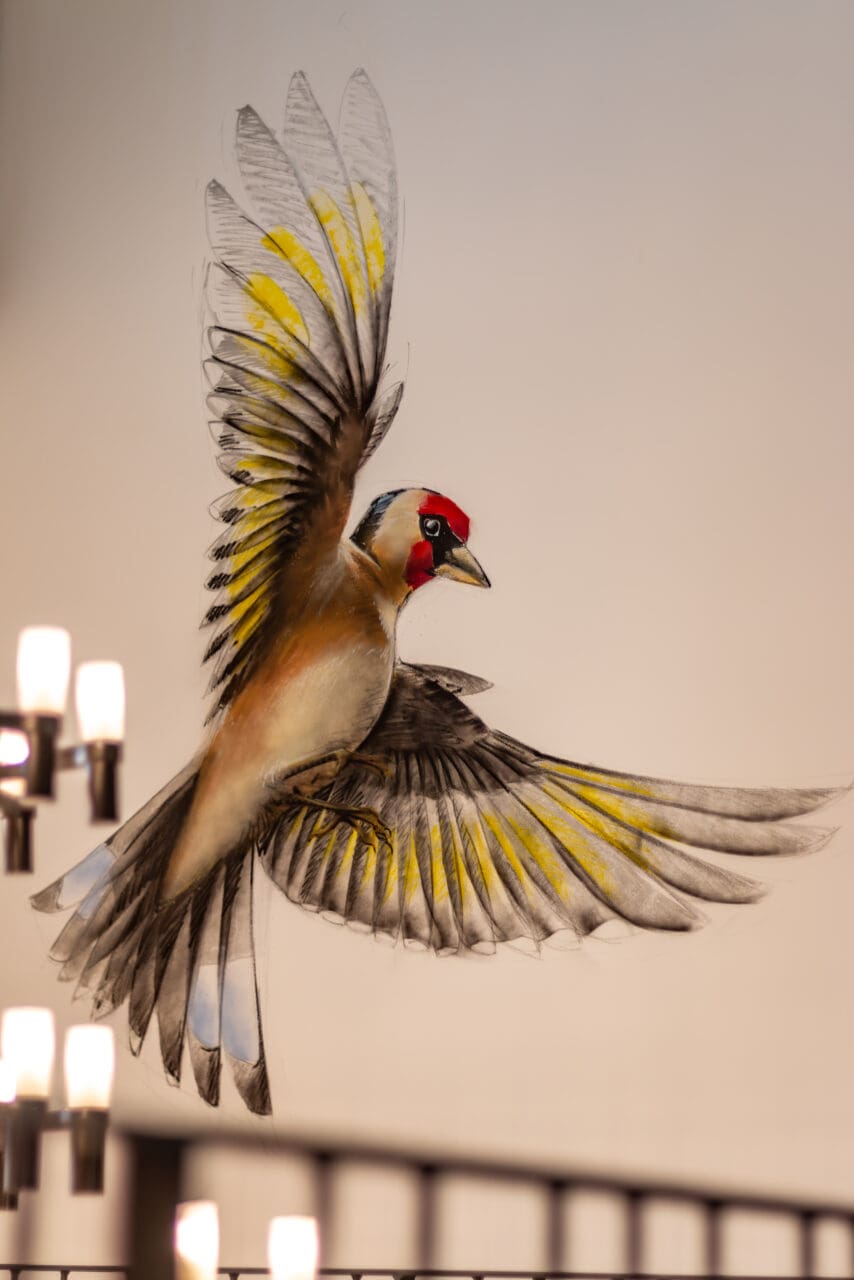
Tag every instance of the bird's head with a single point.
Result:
(415, 535)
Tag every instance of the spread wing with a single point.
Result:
(489, 840)
(300, 290)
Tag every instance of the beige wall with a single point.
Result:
(624, 312)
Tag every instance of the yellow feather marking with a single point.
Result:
(629, 842)
(575, 843)
(340, 237)
(267, 438)
(484, 862)
(391, 874)
(284, 243)
(543, 855)
(257, 504)
(241, 633)
(497, 829)
(372, 236)
(593, 778)
(261, 467)
(273, 357)
(274, 302)
(411, 877)
(347, 855)
(437, 867)
(238, 559)
(615, 805)
(460, 870)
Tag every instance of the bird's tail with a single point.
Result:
(190, 958)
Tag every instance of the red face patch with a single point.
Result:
(419, 566)
(435, 505)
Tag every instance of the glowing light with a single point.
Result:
(197, 1240)
(7, 1082)
(44, 665)
(90, 1061)
(28, 1041)
(292, 1248)
(100, 697)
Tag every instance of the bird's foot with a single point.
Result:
(365, 822)
(381, 766)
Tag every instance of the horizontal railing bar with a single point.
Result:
(414, 1273)
(502, 1170)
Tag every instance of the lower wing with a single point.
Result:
(481, 839)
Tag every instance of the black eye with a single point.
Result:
(432, 527)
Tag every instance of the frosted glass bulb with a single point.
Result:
(197, 1240)
(292, 1248)
(44, 665)
(7, 1082)
(100, 689)
(14, 749)
(27, 1045)
(90, 1060)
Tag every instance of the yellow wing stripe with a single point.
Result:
(594, 778)
(286, 245)
(411, 876)
(576, 844)
(271, 354)
(340, 237)
(272, 302)
(372, 236)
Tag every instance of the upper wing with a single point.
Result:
(300, 291)
(490, 840)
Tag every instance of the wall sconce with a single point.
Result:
(90, 1063)
(27, 1041)
(29, 751)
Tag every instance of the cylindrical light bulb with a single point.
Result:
(292, 1248)
(44, 665)
(14, 749)
(27, 1045)
(197, 1240)
(90, 1060)
(7, 1082)
(100, 689)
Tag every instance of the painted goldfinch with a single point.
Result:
(363, 785)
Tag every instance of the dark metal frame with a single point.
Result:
(100, 760)
(22, 1124)
(156, 1189)
(66, 1272)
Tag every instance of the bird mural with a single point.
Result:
(363, 785)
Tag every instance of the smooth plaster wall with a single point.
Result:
(624, 312)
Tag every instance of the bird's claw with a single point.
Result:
(365, 822)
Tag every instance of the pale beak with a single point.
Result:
(460, 565)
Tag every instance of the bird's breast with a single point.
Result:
(319, 692)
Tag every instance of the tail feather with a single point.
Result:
(125, 943)
(203, 1005)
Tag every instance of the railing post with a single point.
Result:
(556, 1236)
(155, 1192)
(712, 1242)
(806, 1242)
(324, 1207)
(634, 1233)
(426, 1224)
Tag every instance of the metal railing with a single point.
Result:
(156, 1188)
